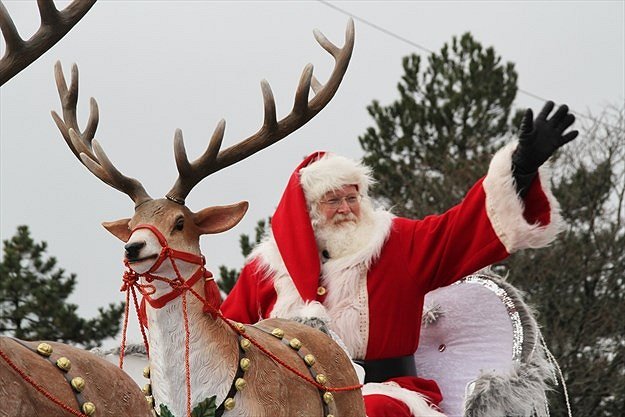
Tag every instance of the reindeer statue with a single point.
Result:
(202, 364)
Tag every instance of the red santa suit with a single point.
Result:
(373, 298)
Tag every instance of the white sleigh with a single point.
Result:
(482, 345)
(479, 341)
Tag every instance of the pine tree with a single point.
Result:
(449, 119)
(33, 294)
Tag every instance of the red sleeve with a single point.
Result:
(447, 247)
(242, 303)
(537, 210)
(253, 295)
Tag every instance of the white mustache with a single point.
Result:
(343, 217)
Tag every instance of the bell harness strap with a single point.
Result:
(78, 395)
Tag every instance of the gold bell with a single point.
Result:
(88, 408)
(63, 363)
(240, 384)
(150, 400)
(310, 359)
(44, 349)
(229, 404)
(240, 327)
(147, 390)
(245, 344)
(330, 415)
(146, 372)
(245, 364)
(295, 344)
(78, 384)
(277, 332)
(328, 397)
(321, 378)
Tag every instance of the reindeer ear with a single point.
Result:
(219, 218)
(119, 228)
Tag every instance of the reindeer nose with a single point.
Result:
(133, 249)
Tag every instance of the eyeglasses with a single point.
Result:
(334, 203)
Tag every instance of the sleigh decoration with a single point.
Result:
(482, 345)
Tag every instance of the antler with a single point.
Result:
(83, 145)
(271, 131)
(54, 25)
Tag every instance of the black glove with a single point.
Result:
(538, 140)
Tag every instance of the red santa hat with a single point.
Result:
(319, 173)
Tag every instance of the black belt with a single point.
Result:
(380, 370)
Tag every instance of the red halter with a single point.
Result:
(178, 285)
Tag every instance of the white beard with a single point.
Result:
(344, 234)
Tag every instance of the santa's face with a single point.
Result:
(341, 206)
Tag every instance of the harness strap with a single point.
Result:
(233, 388)
(80, 399)
(302, 354)
(166, 251)
(161, 301)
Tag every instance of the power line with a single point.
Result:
(428, 50)
(376, 27)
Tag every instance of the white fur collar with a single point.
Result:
(271, 261)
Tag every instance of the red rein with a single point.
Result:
(179, 287)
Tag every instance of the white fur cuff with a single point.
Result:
(313, 309)
(505, 208)
(417, 404)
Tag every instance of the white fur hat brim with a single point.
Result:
(331, 172)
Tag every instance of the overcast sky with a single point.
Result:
(155, 66)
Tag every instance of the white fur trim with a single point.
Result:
(381, 222)
(345, 279)
(416, 402)
(346, 305)
(505, 208)
(314, 309)
(332, 172)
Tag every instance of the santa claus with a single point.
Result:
(363, 271)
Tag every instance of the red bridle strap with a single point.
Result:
(179, 284)
(177, 287)
(166, 251)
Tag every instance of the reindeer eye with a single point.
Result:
(179, 223)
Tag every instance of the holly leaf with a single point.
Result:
(165, 411)
(206, 408)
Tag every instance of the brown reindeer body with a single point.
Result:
(266, 377)
(110, 389)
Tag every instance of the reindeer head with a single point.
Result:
(179, 226)
(168, 218)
